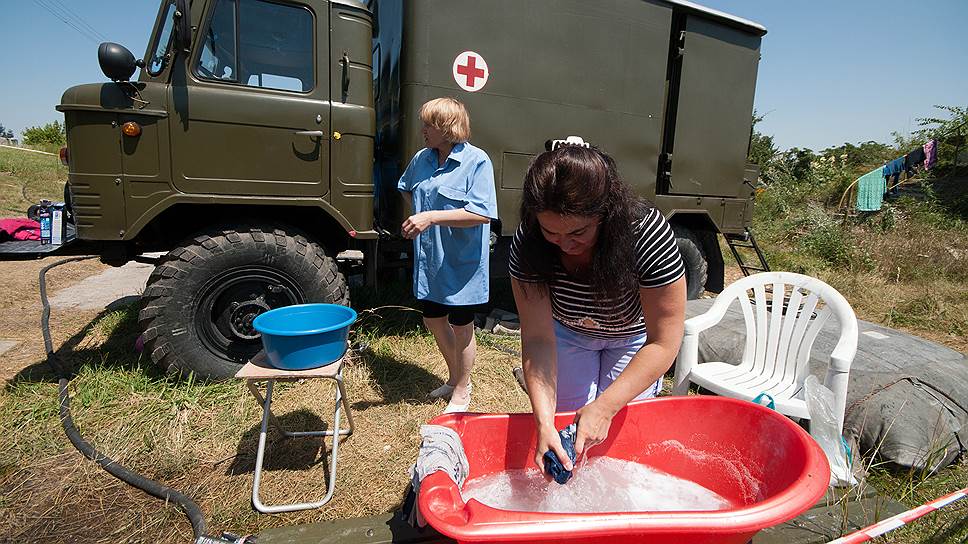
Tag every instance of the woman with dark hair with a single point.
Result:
(593, 267)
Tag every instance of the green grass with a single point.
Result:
(26, 178)
(905, 267)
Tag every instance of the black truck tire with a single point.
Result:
(694, 258)
(200, 300)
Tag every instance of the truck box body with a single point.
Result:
(609, 72)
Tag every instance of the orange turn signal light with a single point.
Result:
(131, 129)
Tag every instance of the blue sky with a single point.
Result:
(831, 71)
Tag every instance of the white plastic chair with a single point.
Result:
(780, 332)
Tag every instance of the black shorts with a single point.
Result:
(456, 315)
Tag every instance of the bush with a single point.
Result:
(819, 235)
(49, 134)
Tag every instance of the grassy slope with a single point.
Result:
(26, 178)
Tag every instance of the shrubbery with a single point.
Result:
(49, 134)
(799, 219)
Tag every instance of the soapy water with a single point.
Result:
(601, 484)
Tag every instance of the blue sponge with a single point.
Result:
(552, 465)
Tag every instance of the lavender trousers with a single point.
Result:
(588, 365)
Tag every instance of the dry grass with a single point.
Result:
(201, 438)
(27, 177)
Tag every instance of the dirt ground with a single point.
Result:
(20, 309)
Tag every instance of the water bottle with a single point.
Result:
(44, 217)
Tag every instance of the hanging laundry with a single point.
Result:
(870, 191)
(914, 159)
(894, 167)
(930, 153)
(892, 171)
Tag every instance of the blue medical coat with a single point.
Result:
(451, 263)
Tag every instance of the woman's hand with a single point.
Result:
(548, 439)
(594, 420)
(417, 223)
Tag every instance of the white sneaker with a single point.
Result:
(444, 391)
(454, 407)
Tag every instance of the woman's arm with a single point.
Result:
(539, 361)
(417, 223)
(665, 313)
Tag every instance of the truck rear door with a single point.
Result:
(715, 106)
(251, 110)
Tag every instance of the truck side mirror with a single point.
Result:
(116, 61)
(183, 26)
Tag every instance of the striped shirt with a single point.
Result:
(576, 304)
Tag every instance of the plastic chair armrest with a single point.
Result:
(701, 322)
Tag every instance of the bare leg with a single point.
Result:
(465, 351)
(447, 344)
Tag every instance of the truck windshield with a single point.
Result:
(160, 47)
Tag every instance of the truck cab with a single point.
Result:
(262, 139)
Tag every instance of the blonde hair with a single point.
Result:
(449, 116)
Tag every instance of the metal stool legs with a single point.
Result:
(336, 433)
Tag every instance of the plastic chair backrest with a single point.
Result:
(784, 312)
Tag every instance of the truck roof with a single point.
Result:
(352, 3)
(732, 20)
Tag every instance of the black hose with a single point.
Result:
(199, 527)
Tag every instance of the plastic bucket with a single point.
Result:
(305, 335)
(768, 468)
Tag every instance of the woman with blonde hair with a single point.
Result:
(451, 186)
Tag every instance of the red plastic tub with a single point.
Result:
(765, 465)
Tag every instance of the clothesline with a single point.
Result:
(874, 185)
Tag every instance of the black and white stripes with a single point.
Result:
(575, 303)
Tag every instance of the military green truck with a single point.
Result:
(260, 146)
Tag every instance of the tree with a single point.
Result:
(5, 132)
(762, 148)
(49, 134)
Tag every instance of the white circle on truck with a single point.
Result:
(470, 71)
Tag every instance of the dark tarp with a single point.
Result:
(907, 397)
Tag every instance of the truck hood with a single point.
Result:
(134, 97)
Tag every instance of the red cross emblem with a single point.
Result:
(470, 71)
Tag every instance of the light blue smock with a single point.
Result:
(451, 263)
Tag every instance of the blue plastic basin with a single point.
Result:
(305, 335)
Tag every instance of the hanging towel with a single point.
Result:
(870, 191)
(440, 449)
(930, 153)
(914, 159)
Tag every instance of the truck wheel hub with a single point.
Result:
(242, 316)
(231, 300)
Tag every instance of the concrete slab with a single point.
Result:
(6, 345)
(123, 284)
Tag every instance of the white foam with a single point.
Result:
(602, 484)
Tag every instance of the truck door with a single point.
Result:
(250, 109)
(715, 105)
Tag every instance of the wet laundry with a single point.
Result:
(440, 449)
(552, 465)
